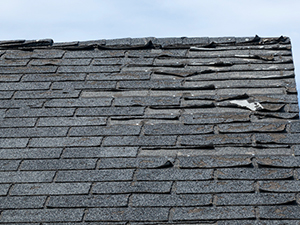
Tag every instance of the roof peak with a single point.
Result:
(142, 43)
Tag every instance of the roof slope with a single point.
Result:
(149, 131)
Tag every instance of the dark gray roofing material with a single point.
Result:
(149, 131)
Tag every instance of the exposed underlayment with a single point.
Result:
(149, 131)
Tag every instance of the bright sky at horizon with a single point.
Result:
(70, 20)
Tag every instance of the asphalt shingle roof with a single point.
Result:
(149, 131)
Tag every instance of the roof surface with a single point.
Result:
(149, 131)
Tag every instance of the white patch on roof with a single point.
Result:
(244, 103)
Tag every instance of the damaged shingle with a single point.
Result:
(139, 131)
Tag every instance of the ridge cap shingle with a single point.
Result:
(141, 43)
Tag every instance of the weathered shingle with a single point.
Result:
(149, 131)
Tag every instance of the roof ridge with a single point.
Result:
(142, 43)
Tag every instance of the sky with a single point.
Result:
(82, 20)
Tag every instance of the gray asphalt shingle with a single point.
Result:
(149, 131)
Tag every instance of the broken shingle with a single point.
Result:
(149, 131)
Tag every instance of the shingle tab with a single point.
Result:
(216, 139)
(33, 202)
(110, 111)
(95, 152)
(71, 121)
(41, 215)
(167, 129)
(213, 161)
(31, 112)
(252, 173)
(24, 86)
(125, 214)
(105, 130)
(59, 164)
(46, 94)
(95, 175)
(80, 85)
(17, 122)
(30, 153)
(139, 141)
(9, 165)
(88, 201)
(279, 212)
(142, 162)
(13, 142)
(174, 174)
(65, 141)
(160, 200)
(145, 101)
(280, 186)
(54, 77)
(210, 213)
(33, 132)
(79, 102)
(278, 138)
(51, 189)
(26, 177)
(4, 189)
(132, 187)
(226, 186)
(277, 161)
(253, 127)
(254, 199)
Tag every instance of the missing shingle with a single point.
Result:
(253, 106)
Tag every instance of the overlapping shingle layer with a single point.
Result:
(149, 131)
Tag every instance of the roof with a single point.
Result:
(149, 131)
